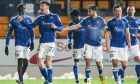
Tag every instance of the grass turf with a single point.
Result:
(69, 81)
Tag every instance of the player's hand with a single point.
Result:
(20, 18)
(53, 26)
(32, 46)
(137, 35)
(129, 46)
(107, 49)
(70, 45)
(6, 50)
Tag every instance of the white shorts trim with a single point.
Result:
(94, 52)
(22, 52)
(119, 53)
(134, 51)
(46, 49)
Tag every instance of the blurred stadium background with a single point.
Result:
(62, 69)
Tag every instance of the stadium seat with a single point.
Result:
(65, 20)
(107, 18)
(103, 4)
(4, 29)
(75, 4)
(87, 3)
(62, 3)
(37, 34)
(136, 3)
(4, 19)
(62, 34)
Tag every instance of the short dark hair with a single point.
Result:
(116, 6)
(45, 2)
(20, 9)
(93, 8)
(75, 12)
(131, 5)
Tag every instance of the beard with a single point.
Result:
(130, 14)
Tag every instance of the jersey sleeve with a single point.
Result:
(108, 26)
(31, 30)
(8, 37)
(139, 26)
(59, 26)
(127, 23)
(36, 22)
(104, 25)
(69, 36)
(82, 23)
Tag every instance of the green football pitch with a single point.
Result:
(69, 81)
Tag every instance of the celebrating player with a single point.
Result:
(48, 24)
(94, 25)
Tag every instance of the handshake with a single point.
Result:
(7, 50)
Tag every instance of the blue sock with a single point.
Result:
(50, 74)
(87, 71)
(43, 71)
(115, 73)
(100, 70)
(121, 73)
(21, 78)
(76, 71)
(137, 69)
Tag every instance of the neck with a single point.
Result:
(79, 18)
(94, 16)
(130, 16)
(21, 13)
(118, 18)
(47, 12)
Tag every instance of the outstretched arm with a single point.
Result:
(74, 27)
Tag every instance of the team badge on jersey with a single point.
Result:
(115, 29)
(28, 22)
(19, 26)
(51, 17)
